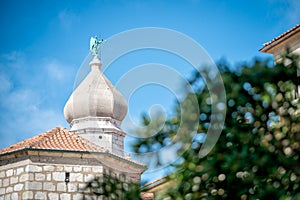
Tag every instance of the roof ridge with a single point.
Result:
(76, 142)
(61, 130)
(46, 136)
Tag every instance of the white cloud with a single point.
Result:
(5, 85)
(23, 100)
(67, 19)
(24, 124)
(56, 70)
(12, 56)
(12, 62)
(24, 115)
(29, 96)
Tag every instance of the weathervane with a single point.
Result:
(95, 45)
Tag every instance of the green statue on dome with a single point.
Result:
(95, 45)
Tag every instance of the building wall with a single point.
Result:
(42, 174)
(27, 180)
(118, 144)
(103, 131)
(109, 140)
(293, 43)
(278, 48)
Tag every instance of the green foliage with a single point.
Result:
(257, 155)
(155, 134)
(109, 187)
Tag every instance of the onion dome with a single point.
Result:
(95, 97)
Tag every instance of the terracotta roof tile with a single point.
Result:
(58, 138)
(283, 35)
(61, 139)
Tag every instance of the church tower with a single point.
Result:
(95, 109)
(58, 164)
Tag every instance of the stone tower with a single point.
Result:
(96, 109)
(59, 163)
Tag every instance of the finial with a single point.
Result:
(94, 45)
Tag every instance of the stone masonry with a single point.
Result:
(57, 165)
(28, 180)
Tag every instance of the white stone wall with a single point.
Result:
(118, 144)
(101, 139)
(110, 140)
(103, 131)
(44, 181)
(32, 179)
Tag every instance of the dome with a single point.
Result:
(95, 97)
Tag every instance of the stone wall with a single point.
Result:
(41, 174)
(118, 144)
(26, 180)
(103, 131)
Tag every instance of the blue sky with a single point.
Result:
(43, 44)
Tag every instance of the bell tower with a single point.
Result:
(95, 109)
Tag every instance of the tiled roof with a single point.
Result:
(284, 35)
(61, 139)
(58, 138)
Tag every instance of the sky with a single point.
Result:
(43, 45)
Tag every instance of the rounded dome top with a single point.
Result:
(95, 97)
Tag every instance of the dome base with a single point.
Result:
(103, 131)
